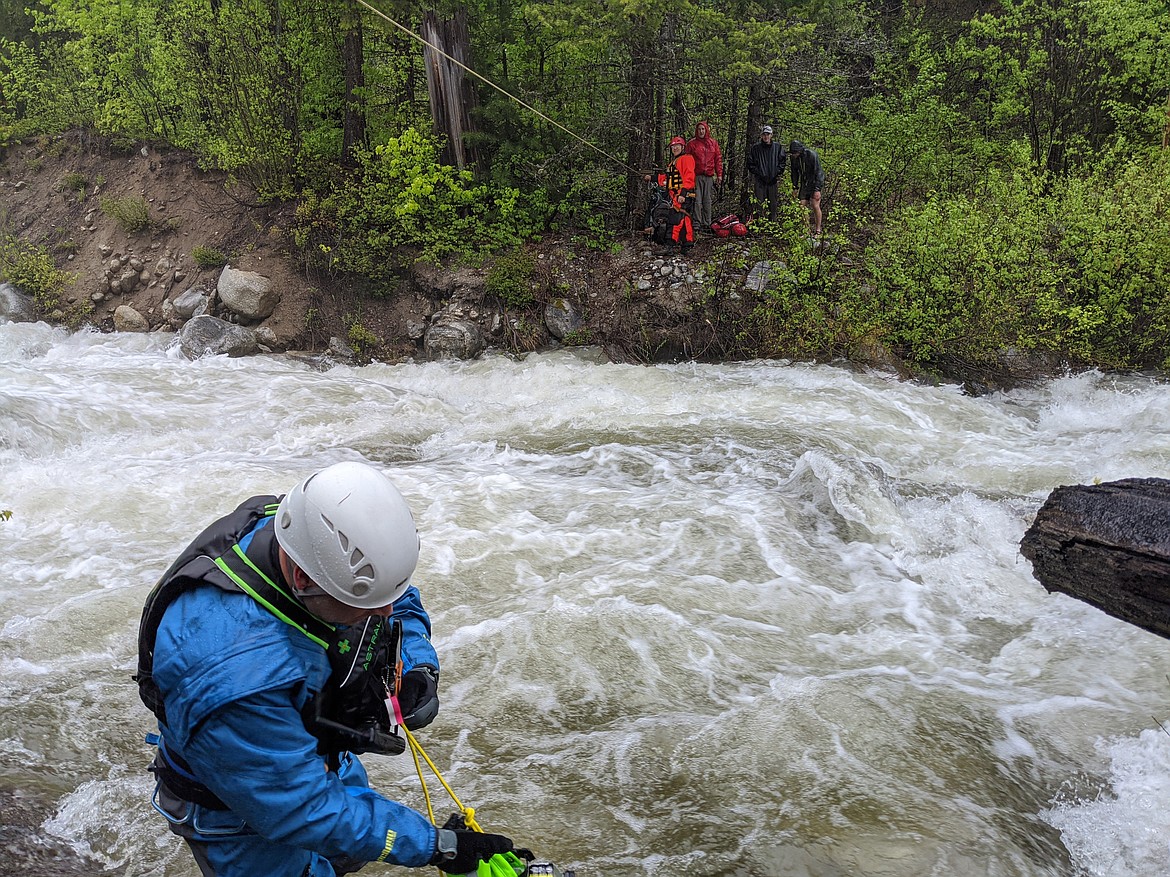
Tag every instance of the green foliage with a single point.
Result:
(74, 182)
(208, 257)
(1065, 76)
(803, 311)
(1078, 267)
(510, 279)
(132, 213)
(361, 339)
(5, 514)
(32, 270)
(404, 205)
(578, 338)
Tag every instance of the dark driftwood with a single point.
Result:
(1109, 545)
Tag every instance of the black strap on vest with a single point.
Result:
(349, 714)
(232, 569)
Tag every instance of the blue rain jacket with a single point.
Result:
(235, 679)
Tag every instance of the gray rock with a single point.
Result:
(189, 303)
(758, 277)
(126, 319)
(266, 336)
(15, 306)
(561, 317)
(455, 339)
(246, 293)
(204, 334)
(340, 351)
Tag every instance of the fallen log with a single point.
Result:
(1108, 545)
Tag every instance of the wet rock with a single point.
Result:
(15, 306)
(454, 339)
(340, 351)
(204, 334)
(561, 317)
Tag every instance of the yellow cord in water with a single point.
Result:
(416, 750)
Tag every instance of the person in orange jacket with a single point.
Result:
(679, 181)
(708, 172)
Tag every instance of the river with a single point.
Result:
(746, 620)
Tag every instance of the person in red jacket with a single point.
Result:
(708, 172)
(679, 182)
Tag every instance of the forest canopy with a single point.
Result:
(997, 172)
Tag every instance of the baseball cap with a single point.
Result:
(767, 129)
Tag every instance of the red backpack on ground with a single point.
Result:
(724, 226)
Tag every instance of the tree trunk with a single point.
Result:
(640, 121)
(751, 135)
(353, 123)
(732, 163)
(1108, 545)
(452, 96)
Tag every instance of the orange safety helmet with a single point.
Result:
(679, 140)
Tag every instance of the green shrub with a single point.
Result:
(404, 205)
(361, 339)
(73, 182)
(32, 271)
(510, 279)
(1074, 266)
(208, 257)
(130, 212)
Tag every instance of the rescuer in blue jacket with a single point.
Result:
(268, 652)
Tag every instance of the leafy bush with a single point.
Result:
(1077, 266)
(361, 339)
(208, 257)
(510, 279)
(32, 271)
(73, 182)
(404, 205)
(131, 213)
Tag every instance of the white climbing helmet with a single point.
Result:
(352, 533)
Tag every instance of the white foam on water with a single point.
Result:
(739, 619)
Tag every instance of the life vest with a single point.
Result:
(238, 554)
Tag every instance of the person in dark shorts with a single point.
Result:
(808, 179)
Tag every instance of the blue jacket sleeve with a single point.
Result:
(256, 755)
(416, 631)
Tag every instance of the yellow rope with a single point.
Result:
(416, 750)
(501, 90)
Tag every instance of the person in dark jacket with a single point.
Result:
(808, 179)
(765, 162)
(268, 652)
(708, 173)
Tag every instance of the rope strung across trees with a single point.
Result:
(498, 88)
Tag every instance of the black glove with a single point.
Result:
(418, 696)
(468, 849)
